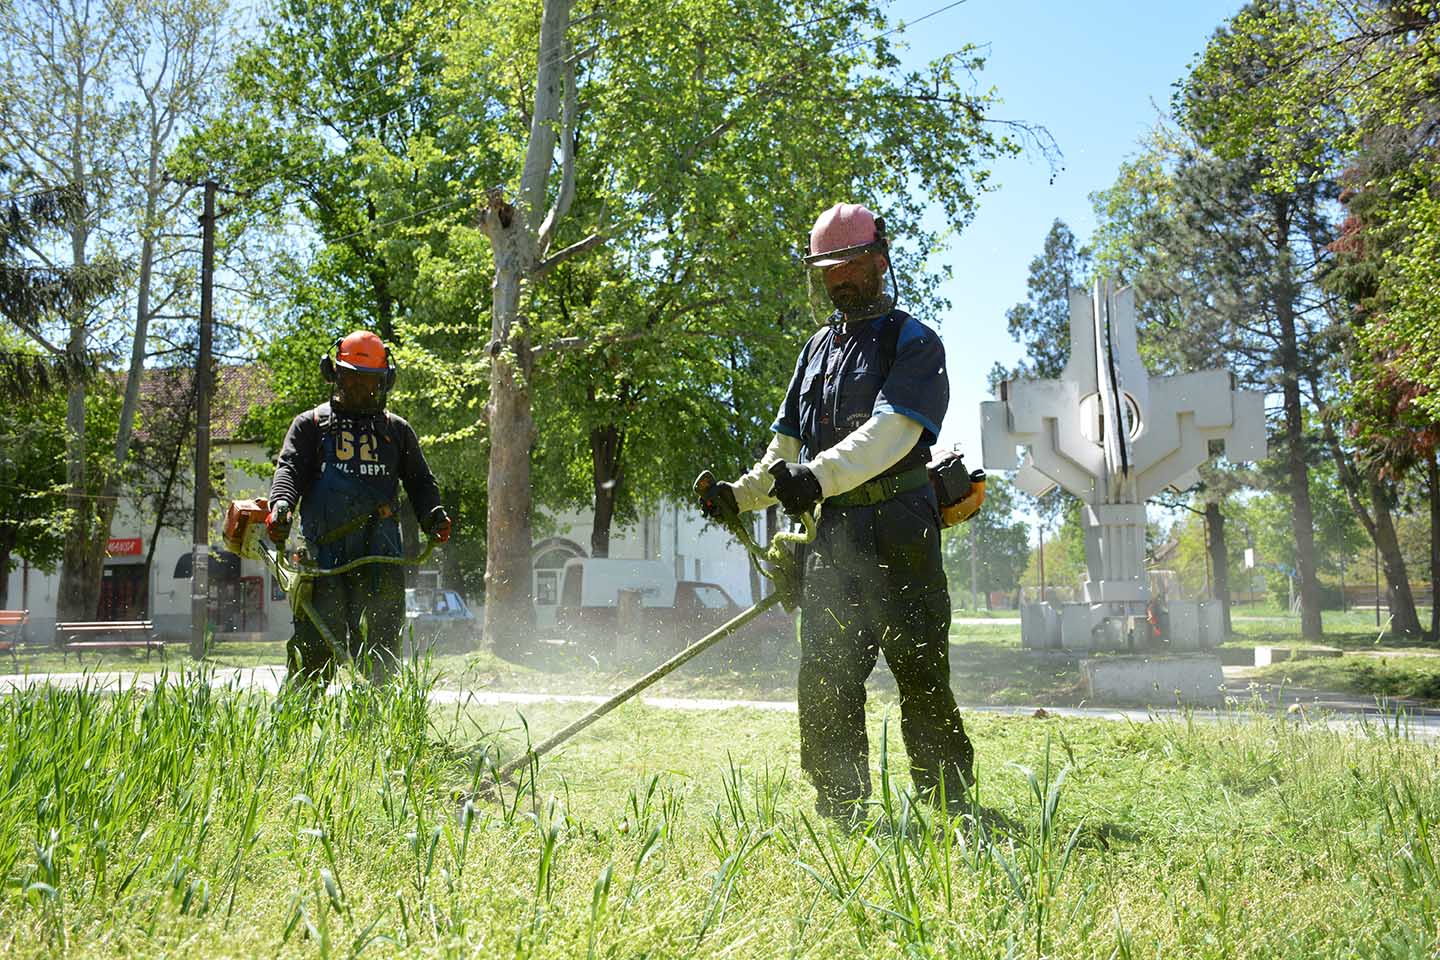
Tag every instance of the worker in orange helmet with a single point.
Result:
(342, 465)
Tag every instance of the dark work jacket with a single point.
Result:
(338, 467)
(844, 375)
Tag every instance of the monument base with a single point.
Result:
(1181, 626)
(1155, 681)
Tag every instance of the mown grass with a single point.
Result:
(1410, 677)
(1351, 631)
(200, 822)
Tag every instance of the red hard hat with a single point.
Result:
(846, 230)
(363, 351)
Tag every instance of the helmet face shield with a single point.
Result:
(359, 391)
(850, 281)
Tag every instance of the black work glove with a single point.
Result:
(795, 487)
(717, 501)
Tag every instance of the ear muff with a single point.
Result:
(390, 371)
(327, 362)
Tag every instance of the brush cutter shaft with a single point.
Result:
(293, 579)
(659, 673)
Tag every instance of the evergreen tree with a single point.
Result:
(1042, 323)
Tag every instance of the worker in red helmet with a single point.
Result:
(854, 432)
(342, 465)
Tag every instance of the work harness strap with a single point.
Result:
(881, 489)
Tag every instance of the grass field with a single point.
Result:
(193, 822)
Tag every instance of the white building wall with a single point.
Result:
(674, 532)
(36, 590)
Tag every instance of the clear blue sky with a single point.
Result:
(1095, 74)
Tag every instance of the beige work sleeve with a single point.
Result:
(752, 491)
(866, 453)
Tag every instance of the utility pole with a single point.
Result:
(200, 568)
(1344, 606)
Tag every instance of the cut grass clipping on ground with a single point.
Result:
(193, 821)
(1410, 677)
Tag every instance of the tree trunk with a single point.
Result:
(607, 443)
(1302, 521)
(83, 561)
(509, 614)
(1220, 563)
(1432, 469)
(77, 594)
(518, 236)
(1403, 618)
(1380, 525)
(8, 537)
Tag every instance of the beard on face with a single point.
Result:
(848, 298)
(851, 297)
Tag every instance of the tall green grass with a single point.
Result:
(188, 820)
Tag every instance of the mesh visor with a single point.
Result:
(824, 307)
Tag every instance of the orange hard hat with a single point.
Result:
(363, 351)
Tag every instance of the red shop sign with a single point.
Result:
(123, 547)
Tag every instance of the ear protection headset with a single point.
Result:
(327, 364)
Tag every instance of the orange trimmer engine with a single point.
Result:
(243, 522)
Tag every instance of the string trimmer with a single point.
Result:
(245, 534)
(779, 563)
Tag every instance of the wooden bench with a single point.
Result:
(73, 636)
(12, 627)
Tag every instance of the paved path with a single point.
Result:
(1015, 621)
(1328, 710)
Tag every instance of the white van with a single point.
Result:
(599, 582)
(639, 608)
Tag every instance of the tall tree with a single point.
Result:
(686, 122)
(1042, 323)
(1290, 74)
(92, 98)
(349, 158)
(1225, 259)
(682, 147)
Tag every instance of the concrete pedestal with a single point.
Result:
(1159, 681)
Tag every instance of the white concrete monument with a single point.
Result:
(1113, 436)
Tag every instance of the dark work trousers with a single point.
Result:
(873, 582)
(373, 593)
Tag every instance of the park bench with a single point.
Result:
(12, 623)
(75, 636)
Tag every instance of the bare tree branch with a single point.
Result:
(574, 250)
(566, 196)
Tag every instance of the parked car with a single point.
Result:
(639, 609)
(439, 619)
